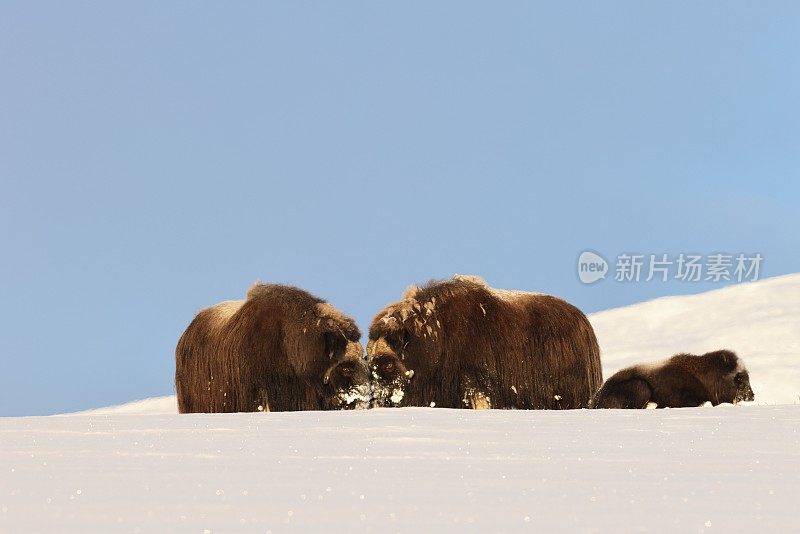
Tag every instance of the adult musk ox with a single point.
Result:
(680, 381)
(279, 349)
(462, 344)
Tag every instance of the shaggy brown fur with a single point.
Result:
(279, 349)
(681, 381)
(459, 343)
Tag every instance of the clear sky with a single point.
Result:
(158, 157)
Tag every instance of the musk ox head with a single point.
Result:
(347, 381)
(406, 340)
(743, 390)
(734, 384)
(390, 376)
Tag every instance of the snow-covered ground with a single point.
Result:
(724, 469)
(141, 467)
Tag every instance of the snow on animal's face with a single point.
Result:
(390, 377)
(347, 381)
(735, 384)
(741, 381)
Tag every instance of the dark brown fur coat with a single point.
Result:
(279, 349)
(681, 381)
(461, 344)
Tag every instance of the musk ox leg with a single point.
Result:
(479, 401)
(475, 397)
(630, 393)
(183, 400)
(684, 398)
(262, 402)
(289, 393)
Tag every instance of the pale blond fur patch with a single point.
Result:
(474, 278)
(479, 401)
(504, 294)
(354, 350)
(326, 311)
(225, 310)
(411, 292)
(376, 346)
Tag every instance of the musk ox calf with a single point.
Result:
(683, 380)
(279, 349)
(462, 344)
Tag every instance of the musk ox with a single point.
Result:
(680, 381)
(279, 349)
(461, 344)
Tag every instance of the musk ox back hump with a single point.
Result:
(271, 351)
(469, 345)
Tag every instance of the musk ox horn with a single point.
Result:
(354, 350)
(377, 345)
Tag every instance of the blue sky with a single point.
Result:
(156, 158)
